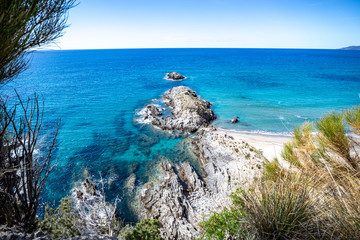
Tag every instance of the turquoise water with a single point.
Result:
(97, 94)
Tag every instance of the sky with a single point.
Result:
(109, 24)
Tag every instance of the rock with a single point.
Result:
(19, 233)
(189, 111)
(167, 202)
(188, 175)
(235, 120)
(227, 164)
(174, 76)
(149, 113)
(152, 110)
(180, 199)
(79, 194)
(129, 183)
(132, 167)
(90, 187)
(146, 141)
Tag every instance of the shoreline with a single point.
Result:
(271, 145)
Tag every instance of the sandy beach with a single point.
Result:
(270, 145)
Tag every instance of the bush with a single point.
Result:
(62, 222)
(146, 229)
(229, 222)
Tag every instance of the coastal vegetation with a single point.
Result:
(316, 195)
(23, 26)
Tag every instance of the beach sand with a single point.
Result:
(271, 146)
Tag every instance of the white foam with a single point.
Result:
(259, 132)
(299, 116)
(142, 112)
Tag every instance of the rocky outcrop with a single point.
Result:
(180, 198)
(19, 233)
(235, 120)
(189, 111)
(90, 187)
(174, 76)
(226, 163)
(152, 111)
(167, 202)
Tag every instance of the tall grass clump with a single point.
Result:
(316, 197)
(332, 134)
(352, 117)
(280, 211)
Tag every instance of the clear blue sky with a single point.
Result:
(96, 24)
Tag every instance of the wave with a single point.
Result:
(259, 132)
(92, 208)
(141, 113)
(301, 117)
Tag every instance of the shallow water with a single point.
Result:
(97, 94)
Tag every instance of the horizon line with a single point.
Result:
(70, 49)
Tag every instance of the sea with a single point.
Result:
(97, 95)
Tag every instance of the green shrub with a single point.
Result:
(146, 229)
(228, 223)
(62, 222)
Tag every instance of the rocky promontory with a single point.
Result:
(188, 111)
(181, 197)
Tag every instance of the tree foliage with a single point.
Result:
(25, 24)
(146, 229)
(62, 222)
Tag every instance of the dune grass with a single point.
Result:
(317, 197)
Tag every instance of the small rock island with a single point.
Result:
(174, 76)
(189, 111)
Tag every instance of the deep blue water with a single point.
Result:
(97, 93)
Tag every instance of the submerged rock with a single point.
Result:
(129, 183)
(146, 141)
(189, 111)
(174, 76)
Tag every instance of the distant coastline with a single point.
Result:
(351, 48)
